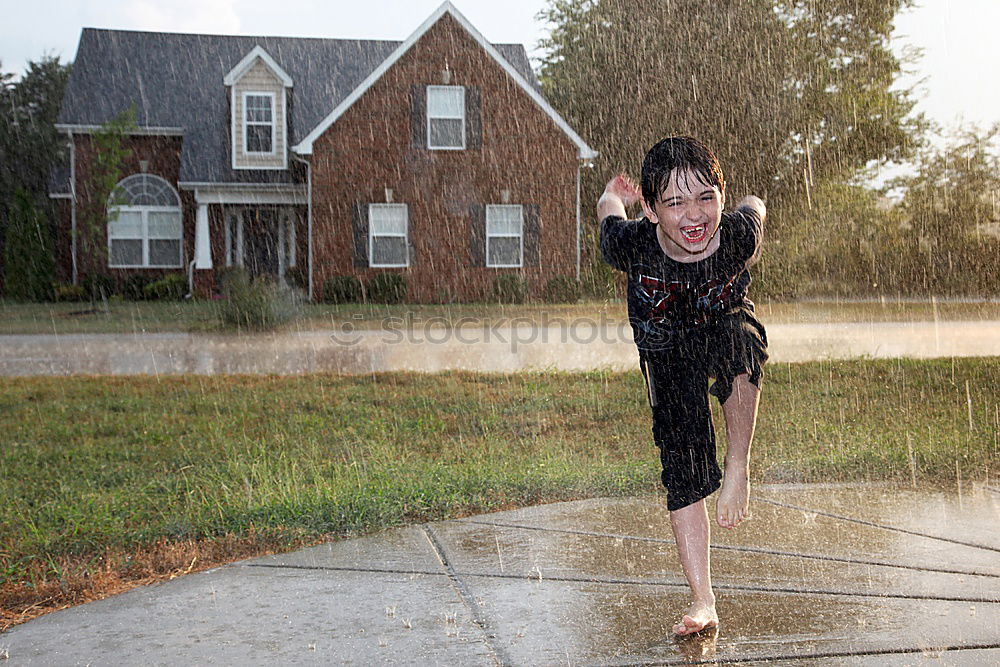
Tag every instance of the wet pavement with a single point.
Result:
(857, 575)
(430, 346)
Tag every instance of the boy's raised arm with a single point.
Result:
(620, 193)
(752, 240)
(616, 244)
(754, 203)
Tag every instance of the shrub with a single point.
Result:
(28, 252)
(387, 288)
(99, 286)
(259, 303)
(562, 289)
(297, 276)
(134, 287)
(342, 289)
(172, 287)
(510, 288)
(63, 292)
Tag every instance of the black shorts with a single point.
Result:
(677, 389)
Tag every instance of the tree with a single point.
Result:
(951, 207)
(98, 190)
(28, 251)
(790, 94)
(30, 145)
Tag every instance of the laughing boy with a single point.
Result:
(687, 266)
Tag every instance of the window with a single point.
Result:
(258, 128)
(234, 239)
(144, 224)
(387, 229)
(446, 117)
(504, 236)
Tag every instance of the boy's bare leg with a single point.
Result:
(691, 531)
(740, 410)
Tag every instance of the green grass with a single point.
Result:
(96, 465)
(201, 316)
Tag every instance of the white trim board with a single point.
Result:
(304, 147)
(236, 73)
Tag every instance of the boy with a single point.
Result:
(686, 263)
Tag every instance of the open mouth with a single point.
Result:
(695, 234)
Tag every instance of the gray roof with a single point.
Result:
(176, 81)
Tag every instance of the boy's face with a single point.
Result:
(688, 212)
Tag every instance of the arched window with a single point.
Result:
(144, 224)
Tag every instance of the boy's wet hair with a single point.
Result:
(685, 154)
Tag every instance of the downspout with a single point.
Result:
(309, 220)
(578, 228)
(72, 206)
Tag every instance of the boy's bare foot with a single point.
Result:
(734, 500)
(700, 616)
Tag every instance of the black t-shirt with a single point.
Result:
(667, 297)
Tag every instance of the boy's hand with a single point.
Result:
(620, 193)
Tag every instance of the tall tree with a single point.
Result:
(28, 251)
(30, 146)
(789, 93)
(951, 209)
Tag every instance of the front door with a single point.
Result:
(260, 241)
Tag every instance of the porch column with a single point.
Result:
(202, 247)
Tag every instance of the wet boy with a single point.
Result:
(687, 266)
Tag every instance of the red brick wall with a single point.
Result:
(369, 149)
(163, 157)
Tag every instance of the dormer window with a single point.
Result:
(259, 91)
(446, 117)
(259, 123)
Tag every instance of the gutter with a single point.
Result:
(309, 219)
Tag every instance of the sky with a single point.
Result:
(957, 71)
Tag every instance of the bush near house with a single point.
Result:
(342, 289)
(99, 286)
(562, 289)
(169, 288)
(510, 288)
(69, 293)
(387, 288)
(257, 303)
(134, 287)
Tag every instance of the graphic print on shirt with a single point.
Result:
(681, 302)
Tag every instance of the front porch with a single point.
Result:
(264, 231)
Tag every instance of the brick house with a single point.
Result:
(436, 157)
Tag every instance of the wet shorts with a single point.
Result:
(676, 382)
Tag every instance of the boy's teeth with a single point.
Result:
(693, 232)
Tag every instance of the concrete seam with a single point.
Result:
(873, 524)
(803, 656)
(454, 574)
(478, 614)
(726, 547)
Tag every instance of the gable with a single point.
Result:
(305, 146)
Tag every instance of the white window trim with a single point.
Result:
(520, 236)
(144, 211)
(405, 236)
(429, 119)
(273, 123)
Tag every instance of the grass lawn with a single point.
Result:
(109, 482)
(200, 316)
